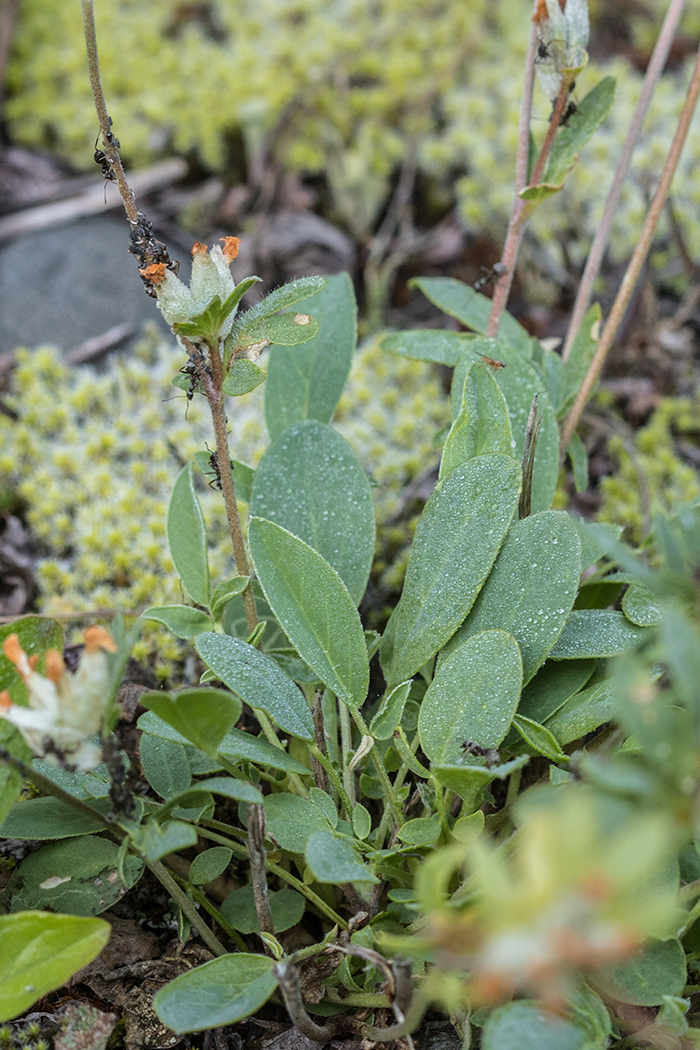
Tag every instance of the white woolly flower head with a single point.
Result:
(563, 27)
(211, 276)
(65, 708)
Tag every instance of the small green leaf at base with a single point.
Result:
(221, 992)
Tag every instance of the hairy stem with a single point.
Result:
(212, 388)
(110, 149)
(204, 902)
(635, 264)
(595, 256)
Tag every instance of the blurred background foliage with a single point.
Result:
(345, 92)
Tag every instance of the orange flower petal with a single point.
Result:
(55, 667)
(97, 638)
(33, 661)
(230, 248)
(155, 273)
(5, 700)
(12, 649)
(199, 249)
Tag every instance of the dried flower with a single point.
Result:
(564, 30)
(65, 708)
(210, 277)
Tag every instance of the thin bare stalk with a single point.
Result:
(110, 149)
(521, 211)
(258, 876)
(186, 906)
(637, 261)
(212, 389)
(595, 256)
(346, 746)
(320, 774)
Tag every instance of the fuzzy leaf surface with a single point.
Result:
(473, 696)
(40, 951)
(457, 539)
(307, 383)
(531, 587)
(314, 607)
(218, 993)
(258, 680)
(187, 537)
(311, 483)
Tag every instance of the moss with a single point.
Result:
(652, 474)
(94, 458)
(345, 89)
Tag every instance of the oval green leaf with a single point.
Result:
(306, 383)
(221, 992)
(519, 381)
(78, 876)
(531, 588)
(187, 537)
(291, 820)
(182, 620)
(595, 633)
(457, 539)
(334, 860)
(258, 680)
(473, 696)
(314, 607)
(49, 818)
(286, 906)
(40, 951)
(526, 1026)
(657, 970)
(202, 716)
(482, 425)
(311, 483)
(209, 865)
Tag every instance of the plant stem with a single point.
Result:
(346, 748)
(160, 872)
(269, 731)
(379, 766)
(319, 770)
(636, 262)
(258, 877)
(335, 780)
(212, 389)
(520, 214)
(110, 149)
(398, 784)
(216, 915)
(280, 872)
(186, 906)
(595, 256)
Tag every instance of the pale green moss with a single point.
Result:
(94, 458)
(654, 476)
(346, 88)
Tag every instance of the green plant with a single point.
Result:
(346, 810)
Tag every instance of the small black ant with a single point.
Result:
(568, 113)
(490, 276)
(491, 754)
(215, 483)
(543, 51)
